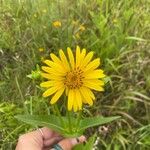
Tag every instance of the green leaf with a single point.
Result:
(135, 38)
(94, 121)
(50, 121)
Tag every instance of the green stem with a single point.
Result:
(78, 119)
(69, 121)
(59, 114)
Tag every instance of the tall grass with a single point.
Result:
(117, 30)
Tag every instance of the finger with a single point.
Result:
(48, 133)
(69, 143)
(52, 141)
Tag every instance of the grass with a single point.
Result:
(117, 30)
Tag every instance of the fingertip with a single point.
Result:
(82, 138)
(78, 140)
(69, 143)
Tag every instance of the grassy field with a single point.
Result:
(119, 33)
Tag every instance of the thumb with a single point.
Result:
(69, 143)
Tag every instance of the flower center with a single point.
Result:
(73, 79)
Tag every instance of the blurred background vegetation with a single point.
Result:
(119, 33)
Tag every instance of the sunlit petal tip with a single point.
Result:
(52, 55)
(71, 57)
(68, 49)
(44, 95)
(91, 104)
(78, 47)
(75, 110)
(83, 50)
(60, 50)
(41, 85)
(69, 108)
(51, 102)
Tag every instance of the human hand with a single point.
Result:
(45, 139)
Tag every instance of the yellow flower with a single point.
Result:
(75, 76)
(57, 24)
(41, 49)
(75, 23)
(42, 59)
(115, 21)
(82, 28)
(35, 15)
(44, 10)
(77, 35)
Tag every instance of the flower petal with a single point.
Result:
(87, 59)
(71, 96)
(93, 85)
(50, 91)
(64, 60)
(57, 95)
(75, 106)
(94, 81)
(78, 56)
(51, 71)
(51, 76)
(91, 94)
(55, 66)
(47, 84)
(71, 58)
(94, 74)
(55, 58)
(92, 65)
(78, 99)
(86, 95)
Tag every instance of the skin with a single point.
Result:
(35, 140)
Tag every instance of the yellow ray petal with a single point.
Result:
(91, 94)
(75, 106)
(57, 95)
(78, 99)
(86, 95)
(53, 89)
(64, 60)
(52, 77)
(93, 85)
(71, 58)
(94, 74)
(47, 84)
(46, 69)
(94, 81)
(87, 59)
(55, 58)
(67, 90)
(83, 53)
(52, 71)
(78, 56)
(49, 92)
(70, 99)
(55, 66)
(92, 65)
(46, 75)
